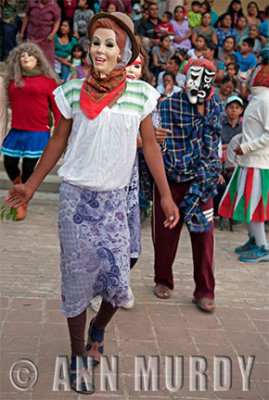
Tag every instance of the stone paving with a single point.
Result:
(33, 327)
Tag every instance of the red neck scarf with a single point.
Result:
(98, 93)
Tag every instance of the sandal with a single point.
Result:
(162, 291)
(204, 304)
(95, 343)
(84, 386)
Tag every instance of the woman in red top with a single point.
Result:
(30, 82)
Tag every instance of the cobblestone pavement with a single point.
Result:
(33, 327)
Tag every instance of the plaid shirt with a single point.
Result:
(192, 152)
(222, 35)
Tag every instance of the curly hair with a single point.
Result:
(13, 67)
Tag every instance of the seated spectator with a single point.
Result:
(264, 28)
(146, 28)
(231, 124)
(254, 33)
(81, 71)
(82, 17)
(76, 55)
(137, 13)
(160, 55)
(231, 70)
(253, 14)
(211, 54)
(230, 59)
(173, 65)
(199, 46)
(241, 30)
(169, 86)
(194, 15)
(204, 7)
(245, 59)
(214, 15)
(225, 29)
(165, 28)
(235, 11)
(64, 42)
(227, 49)
(205, 29)
(182, 30)
(226, 89)
(124, 6)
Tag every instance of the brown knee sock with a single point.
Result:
(104, 315)
(76, 327)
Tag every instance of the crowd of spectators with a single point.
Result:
(233, 41)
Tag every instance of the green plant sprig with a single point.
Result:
(8, 213)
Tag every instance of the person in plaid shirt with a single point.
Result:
(192, 168)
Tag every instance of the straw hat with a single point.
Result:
(124, 22)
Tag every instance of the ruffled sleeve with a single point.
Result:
(151, 97)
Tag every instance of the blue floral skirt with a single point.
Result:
(95, 247)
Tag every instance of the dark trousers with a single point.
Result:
(165, 243)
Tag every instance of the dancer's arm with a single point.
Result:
(20, 194)
(154, 160)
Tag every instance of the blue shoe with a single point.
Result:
(249, 245)
(95, 343)
(85, 386)
(256, 255)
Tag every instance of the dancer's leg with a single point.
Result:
(76, 326)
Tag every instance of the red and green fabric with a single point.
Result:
(246, 196)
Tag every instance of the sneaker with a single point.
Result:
(256, 255)
(130, 302)
(249, 245)
(96, 303)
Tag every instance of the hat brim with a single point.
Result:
(135, 49)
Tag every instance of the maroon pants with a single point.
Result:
(165, 243)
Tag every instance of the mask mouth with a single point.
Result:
(194, 92)
(202, 94)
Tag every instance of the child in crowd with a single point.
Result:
(198, 50)
(76, 55)
(254, 33)
(245, 59)
(235, 11)
(81, 71)
(231, 124)
(173, 65)
(165, 28)
(231, 70)
(160, 55)
(241, 30)
(194, 15)
(227, 49)
(82, 17)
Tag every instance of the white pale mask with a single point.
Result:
(104, 51)
(199, 84)
(28, 61)
(134, 71)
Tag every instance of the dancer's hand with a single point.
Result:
(238, 151)
(19, 195)
(161, 133)
(171, 212)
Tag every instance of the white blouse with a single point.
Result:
(101, 152)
